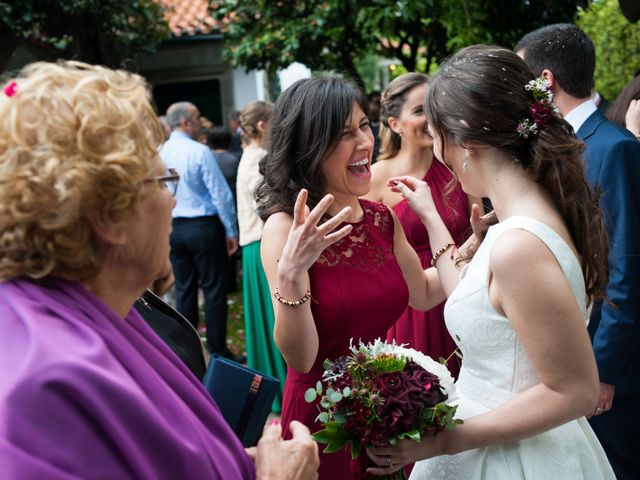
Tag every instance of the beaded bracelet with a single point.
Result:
(292, 303)
(436, 255)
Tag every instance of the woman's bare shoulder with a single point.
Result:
(279, 221)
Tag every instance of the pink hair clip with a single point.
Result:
(11, 89)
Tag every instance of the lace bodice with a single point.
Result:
(493, 355)
(357, 288)
(369, 245)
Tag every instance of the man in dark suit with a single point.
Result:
(565, 56)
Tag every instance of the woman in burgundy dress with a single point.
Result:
(341, 268)
(407, 149)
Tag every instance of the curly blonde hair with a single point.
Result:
(74, 139)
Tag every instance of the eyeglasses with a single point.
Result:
(168, 181)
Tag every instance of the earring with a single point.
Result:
(465, 164)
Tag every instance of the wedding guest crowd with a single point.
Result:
(101, 199)
(205, 231)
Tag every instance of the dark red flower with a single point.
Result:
(541, 113)
(391, 383)
(428, 385)
(400, 413)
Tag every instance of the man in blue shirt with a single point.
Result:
(204, 226)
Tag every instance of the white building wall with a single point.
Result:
(247, 87)
(293, 73)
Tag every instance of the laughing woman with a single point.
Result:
(340, 268)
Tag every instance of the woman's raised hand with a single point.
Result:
(480, 223)
(307, 239)
(416, 192)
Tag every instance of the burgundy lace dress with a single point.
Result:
(358, 291)
(426, 331)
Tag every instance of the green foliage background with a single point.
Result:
(617, 45)
(340, 34)
(93, 31)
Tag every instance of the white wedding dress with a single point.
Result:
(495, 368)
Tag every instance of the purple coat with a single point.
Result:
(86, 394)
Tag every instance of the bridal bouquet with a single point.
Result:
(380, 393)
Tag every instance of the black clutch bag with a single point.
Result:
(174, 329)
(244, 396)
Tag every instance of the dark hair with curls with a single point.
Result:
(393, 99)
(618, 109)
(477, 98)
(565, 50)
(306, 127)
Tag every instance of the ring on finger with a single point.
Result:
(389, 462)
(599, 409)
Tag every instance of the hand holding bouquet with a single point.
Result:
(382, 393)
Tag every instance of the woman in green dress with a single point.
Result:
(262, 353)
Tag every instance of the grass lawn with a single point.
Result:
(235, 324)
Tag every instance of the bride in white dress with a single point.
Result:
(520, 306)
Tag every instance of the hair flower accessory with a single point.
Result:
(11, 89)
(541, 110)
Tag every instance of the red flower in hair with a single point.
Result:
(11, 89)
(541, 112)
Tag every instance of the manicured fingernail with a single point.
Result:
(275, 421)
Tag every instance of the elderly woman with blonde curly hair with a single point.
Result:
(88, 390)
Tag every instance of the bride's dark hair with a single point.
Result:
(306, 126)
(478, 97)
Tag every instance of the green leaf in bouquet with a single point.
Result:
(388, 363)
(355, 449)
(458, 338)
(324, 403)
(412, 434)
(334, 396)
(332, 431)
(310, 395)
(458, 354)
(327, 364)
(319, 387)
(442, 360)
(323, 417)
(334, 445)
(428, 414)
(339, 418)
(346, 392)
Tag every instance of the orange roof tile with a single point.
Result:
(189, 17)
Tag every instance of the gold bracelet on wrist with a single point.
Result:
(292, 303)
(436, 255)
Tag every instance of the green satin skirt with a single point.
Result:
(262, 353)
